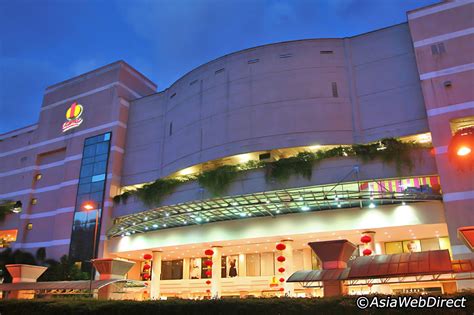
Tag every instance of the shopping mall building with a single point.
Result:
(211, 143)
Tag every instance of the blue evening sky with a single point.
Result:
(45, 42)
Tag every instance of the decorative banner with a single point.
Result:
(73, 116)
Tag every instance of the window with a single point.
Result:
(326, 52)
(172, 270)
(171, 128)
(288, 55)
(438, 49)
(172, 95)
(219, 71)
(253, 265)
(267, 267)
(253, 61)
(334, 89)
(92, 180)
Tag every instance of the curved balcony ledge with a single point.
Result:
(251, 195)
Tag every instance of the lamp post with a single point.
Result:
(90, 206)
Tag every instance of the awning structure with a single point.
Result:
(466, 234)
(278, 202)
(66, 285)
(397, 268)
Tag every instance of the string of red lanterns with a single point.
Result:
(146, 271)
(208, 263)
(366, 239)
(281, 259)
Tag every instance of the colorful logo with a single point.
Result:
(73, 116)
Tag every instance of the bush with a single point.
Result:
(270, 306)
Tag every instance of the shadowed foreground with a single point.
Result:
(271, 306)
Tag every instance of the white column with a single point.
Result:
(155, 276)
(216, 289)
(289, 268)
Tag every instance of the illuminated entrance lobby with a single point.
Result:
(236, 179)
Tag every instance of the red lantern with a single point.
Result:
(208, 273)
(145, 292)
(146, 283)
(146, 267)
(208, 263)
(281, 279)
(281, 246)
(209, 252)
(281, 258)
(367, 252)
(146, 276)
(281, 270)
(147, 256)
(366, 239)
(208, 282)
(208, 291)
(281, 289)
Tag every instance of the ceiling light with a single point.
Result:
(404, 203)
(198, 219)
(146, 227)
(305, 208)
(155, 225)
(372, 205)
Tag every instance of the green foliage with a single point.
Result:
(218, 180)
(64, 270)
(301, 164)
(5, 208)
(152, 194)
(228, 306)
(57, 271)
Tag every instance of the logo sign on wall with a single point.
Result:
(73, 116)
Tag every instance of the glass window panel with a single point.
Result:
(102, 148)
(204, 267)
(84, 189)
(233, 266)
(107, 136)
(393, 248)
(97, 186)
(253, 265)
(85, 180)
(97, 178)
(90, 141)
(88, 160)
(99, 167)
(177, 269)
(411, 246)
(429, 244)
(444, 243)
(86, 170)
(88, 151)
(102, 157)
(267, 267)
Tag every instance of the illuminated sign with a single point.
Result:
(73, 116)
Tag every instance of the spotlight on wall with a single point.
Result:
(17, 207)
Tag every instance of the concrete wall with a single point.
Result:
(449, 24)
(57, 156)
(235, 104)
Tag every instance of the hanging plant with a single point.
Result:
(301, 164)
(218, 180)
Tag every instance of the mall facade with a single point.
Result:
(106, 134)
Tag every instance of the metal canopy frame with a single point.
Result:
(263, 204)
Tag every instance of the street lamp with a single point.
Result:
(91, 206)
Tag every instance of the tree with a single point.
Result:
(62, 270)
